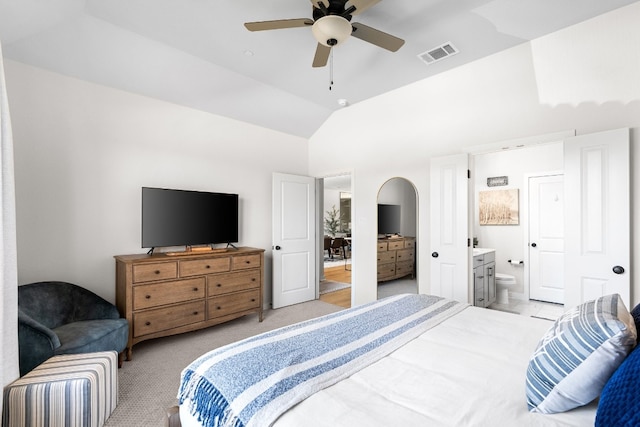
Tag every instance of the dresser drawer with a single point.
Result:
(245, 261)
(154, 271)
(396, 244)
(409, 243)
(404, 268)
(162, 319)
(382, 246)
(386, 270)
(384, 257)
(197, 267)
(233, 303)
(405, 255)
(225, 283)
(157, 294)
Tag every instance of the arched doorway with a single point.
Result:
(397, 231)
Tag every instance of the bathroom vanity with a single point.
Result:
(484, 277)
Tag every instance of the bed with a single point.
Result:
(440, 363)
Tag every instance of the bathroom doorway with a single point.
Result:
(397, 244)
(510, 169)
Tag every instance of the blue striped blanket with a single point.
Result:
(252, 382)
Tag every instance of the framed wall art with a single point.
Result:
(499, 207)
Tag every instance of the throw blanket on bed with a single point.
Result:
(252, 382)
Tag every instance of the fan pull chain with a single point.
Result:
(330, 69)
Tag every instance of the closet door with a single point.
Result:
(450, 249)
(597, 216)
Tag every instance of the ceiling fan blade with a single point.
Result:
(362, 5)
(324, 2)
(377, 37)
(278, 24)
(322, 55)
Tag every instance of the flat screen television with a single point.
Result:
(181, 217)
(388, 219)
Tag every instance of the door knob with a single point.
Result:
(618, 269)
(435, 254)
(533, 245)
(277, 248)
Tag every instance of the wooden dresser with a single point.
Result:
(396, 257)
(163, 295)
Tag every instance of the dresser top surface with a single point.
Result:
(216, 253)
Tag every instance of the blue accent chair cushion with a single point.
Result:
(578, 354)
(62, 318)
(619, 404)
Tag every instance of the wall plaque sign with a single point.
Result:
(496, 181)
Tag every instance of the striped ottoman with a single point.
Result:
(66, 390)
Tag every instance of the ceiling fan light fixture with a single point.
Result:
(331, 30)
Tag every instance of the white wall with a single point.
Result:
(83, 152)
(584, 78)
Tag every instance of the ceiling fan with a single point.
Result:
(331, 26)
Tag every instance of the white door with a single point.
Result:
(546, 238)
(450, 253)
(294, 239)
(597, 245)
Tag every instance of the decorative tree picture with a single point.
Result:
(498, 207)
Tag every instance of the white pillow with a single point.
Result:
(578, 354)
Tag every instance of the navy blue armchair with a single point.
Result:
(62, 318)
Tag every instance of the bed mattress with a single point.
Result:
(467, 370)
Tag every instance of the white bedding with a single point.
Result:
(468, 370)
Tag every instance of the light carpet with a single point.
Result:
(398, 286)
(148, 384)
(327, 286)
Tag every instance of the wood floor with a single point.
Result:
(343, 296)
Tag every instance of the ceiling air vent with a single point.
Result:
(439, 53)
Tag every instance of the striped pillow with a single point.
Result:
(578, 354)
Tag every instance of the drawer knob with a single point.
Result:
(195, 313)
(147, 296)
(208, 266)
(218, 308)
(247, 262)
(253, 279)
(253, 300)
(219, 285)
(195, 289)
(147, 323)
(157, 271)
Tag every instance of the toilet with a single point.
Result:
(504, 282)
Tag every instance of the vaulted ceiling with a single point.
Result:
(197, 53)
